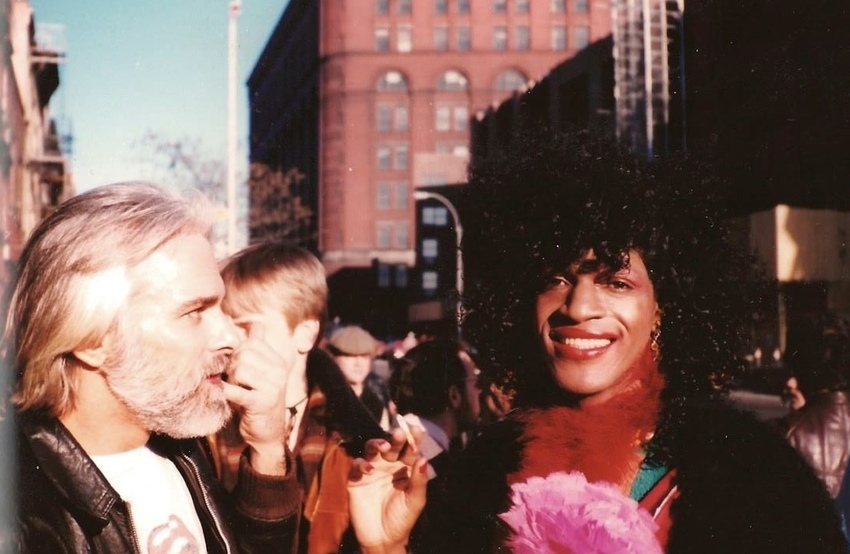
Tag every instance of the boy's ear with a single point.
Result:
(95, 356)
(306, 333)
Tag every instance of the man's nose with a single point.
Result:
(225, 333)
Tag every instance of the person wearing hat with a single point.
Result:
(354, 350)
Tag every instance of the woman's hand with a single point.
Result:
(386, 491)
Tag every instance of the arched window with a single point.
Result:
(510, 80)
(392, 81)
(452, 80)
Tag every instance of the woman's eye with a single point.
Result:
(618, 284)
(557, 281)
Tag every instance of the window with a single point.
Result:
(462, 6)
(582, 36)
(559, 37)
(404, 38)
(523, 37)
(581, 6)
(434, 179)
(459, 149)
(461, 118)
(401, 157)
(500, 6)
(382, 7)
(401, 119)
(435, 215)
(521, 6)
(401, 196)
(429, 281)
(401, 276)
(404, 7)
(441, 38)
(452, 80)
(392, 81)
(430, 249)
(401, 235)
(442, 118)
(383, 200)
(382, 240)
(383, 276)
(510, 80)
(559, 6)
(463, 41)
(500, 38)
(383, 158)
(382, 40)
(384, 118)
(441, 6)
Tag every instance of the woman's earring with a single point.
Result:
(654, 335)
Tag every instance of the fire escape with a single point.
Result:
(50, 164)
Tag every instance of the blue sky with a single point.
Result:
(156, 66)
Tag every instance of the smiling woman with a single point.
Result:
(596, 326)
(608, 296)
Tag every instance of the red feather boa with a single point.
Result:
(601, 441)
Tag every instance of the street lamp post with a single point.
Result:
(233, 11)
(428, 195)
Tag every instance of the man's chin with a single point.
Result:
(200, 423)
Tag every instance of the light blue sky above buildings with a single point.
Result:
(154, 66)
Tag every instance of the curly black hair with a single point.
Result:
(536, 206)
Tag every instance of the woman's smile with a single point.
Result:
(595, 324)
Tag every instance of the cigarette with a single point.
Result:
(406, 428)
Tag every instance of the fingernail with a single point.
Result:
(423, 469)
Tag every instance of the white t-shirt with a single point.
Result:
(160, 503)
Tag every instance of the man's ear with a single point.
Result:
(95, 356)
(306, 333)
(455, 397)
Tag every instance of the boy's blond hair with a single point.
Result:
(271, 273)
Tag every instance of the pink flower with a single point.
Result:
(563, 513)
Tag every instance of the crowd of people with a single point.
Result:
(169, 403)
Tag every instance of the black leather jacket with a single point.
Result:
(820, 431)
(65, 504)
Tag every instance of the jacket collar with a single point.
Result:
(66, 465)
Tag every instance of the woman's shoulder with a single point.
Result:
(718, 437)
(740, 482)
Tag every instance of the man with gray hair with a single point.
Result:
(123, 358)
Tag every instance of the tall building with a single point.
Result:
(649, 74)
(372, 99)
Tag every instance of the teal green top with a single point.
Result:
(647, 477)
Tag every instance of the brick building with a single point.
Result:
(34, 175)
(371, 99)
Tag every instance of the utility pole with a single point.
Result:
(233, 10)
